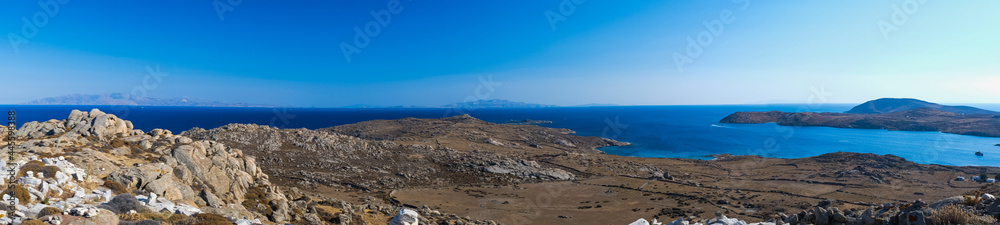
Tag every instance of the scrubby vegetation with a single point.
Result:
(141, 222)
(33, 222)
(116, 187)
(211, 219)
(953, 214)
(256, 199)
(19, 192)
(33, 166)
(124, 203)
(49, 211)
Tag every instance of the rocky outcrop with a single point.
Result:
(95, 123)
(98, 124)
(528, 169)
(35, 129)
(157, 178)
(221, 171)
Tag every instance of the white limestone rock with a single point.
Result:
(406, 217)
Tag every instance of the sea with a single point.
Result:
(655, 131)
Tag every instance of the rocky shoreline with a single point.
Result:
(94, 168)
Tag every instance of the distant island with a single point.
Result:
(495, 103)
(478, 104)
(528, 122)
(128, 99)
(888, 113)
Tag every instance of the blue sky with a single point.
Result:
(440, 52)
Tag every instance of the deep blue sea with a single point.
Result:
(655, 131)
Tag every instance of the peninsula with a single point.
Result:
(890, 114)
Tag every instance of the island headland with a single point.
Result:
(890, 114)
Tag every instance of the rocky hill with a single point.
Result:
(917, 119)
(891, 105)
(94, 168)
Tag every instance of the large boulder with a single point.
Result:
(157, 178)
(225, 174)
(98, 124)
(35, 129)
(409, 217)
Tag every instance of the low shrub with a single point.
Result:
(118, 188)
(179, 219)
(141, 222)
(211, 219)
(953, 214)
(49, 211)
(48, 171)
(19, 192)
(33, 166)
(33, 222)
(255, 197)
(125, 202)
(133, 217)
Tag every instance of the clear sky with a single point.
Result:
(548, 51)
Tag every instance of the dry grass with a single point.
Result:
(254, 197)
(20, 193)
(133, 216)
(955, 215)
(49, 211)
(211, 219)
(33, 166)
(118, 188)
(33, 222)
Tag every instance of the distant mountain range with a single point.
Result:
(127, 99)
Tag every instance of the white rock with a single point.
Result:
(29, 181)
(989, 196)
(641, 221)
(405, 217)
(678, 222)
(152, 198)
(186, 210)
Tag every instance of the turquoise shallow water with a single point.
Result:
(656, 131)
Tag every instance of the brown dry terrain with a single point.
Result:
(525, 174)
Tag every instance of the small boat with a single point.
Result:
(978, 153)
